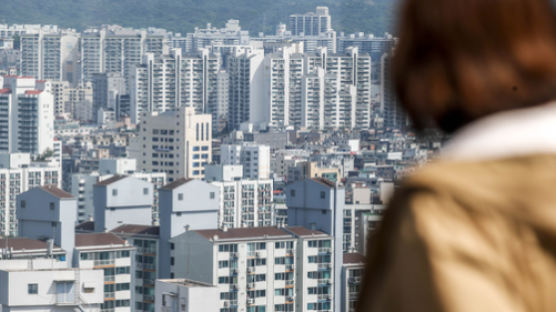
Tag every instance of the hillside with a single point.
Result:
(183, 15)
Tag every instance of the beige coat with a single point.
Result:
(468, 236)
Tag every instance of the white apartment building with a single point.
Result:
(145, 239)
(107, 252)
(178, 143)
(311, 23)
(184, 295)
(49, 285)
(254, 158)
(248, 87)
(17, 175)
(210, 36)
(167, 82)
(245, 203)
(115, 49)
(44, 54)
(285, 70)
(259, 269)
(352, 274)
(75, 102)
(26, 115)
(317, 90)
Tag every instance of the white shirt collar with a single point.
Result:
(506, 134)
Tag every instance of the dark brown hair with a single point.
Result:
(459, 60)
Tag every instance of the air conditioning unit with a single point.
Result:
(250, 300)
(251, 285)
(249, 270)
(257, 254)
(289, 299)
(226, 304)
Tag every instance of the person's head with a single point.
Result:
(459, 60)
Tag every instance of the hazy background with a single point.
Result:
(371, 16)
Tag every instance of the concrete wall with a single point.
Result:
(196, 211)
(130, 204)
(193, 256)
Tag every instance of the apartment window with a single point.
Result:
(211, 195)
(180, 196)
(114, 192)
(171, 246)
(322, 195)
(292, 193)
(172, 260)
(23, 204)
(52, 206)
(32, 289)
(146, 191)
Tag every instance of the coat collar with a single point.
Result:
(506, 134)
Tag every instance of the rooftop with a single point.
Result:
(136, 229)
(111, 180)
(21, 244)
(97, 239)
(54, 190)
(175, 184)
(241, 233)
(301, 231)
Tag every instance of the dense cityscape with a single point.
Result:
(146, 170)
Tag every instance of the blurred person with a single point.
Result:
(475, 230)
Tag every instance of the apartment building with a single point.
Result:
(108, 252)
(49, 285)
(185, 204)
(44, 54)
(311, 23)
(319, 204)
(145, 239)
(352, 273)
(122, 200)
(245, 203)
(48, 212)
(178, 143)
(17, 175)
(247, 87)
(82, 185)
(259, 269)
(27, 115)
(254, 158)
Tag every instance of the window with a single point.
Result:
(292, 193)
(211, 195)
(114, 192)
(32, 289)
(23, 204)
(180, 196)
(146, 191)
(52, 205)
(322, 195)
